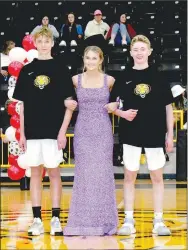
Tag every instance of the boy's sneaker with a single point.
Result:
(36, 227)
(56, 228)
(111, 42)
(160, 228)
(128, 227)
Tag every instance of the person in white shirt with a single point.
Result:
(97, 26)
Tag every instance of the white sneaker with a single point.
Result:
(36, 227)
(160, 228)
(62, 43)
(73, 43)
(111, 42)
(56, 228)
(124, 42)
(128, 227)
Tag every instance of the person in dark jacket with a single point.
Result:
(70, 31)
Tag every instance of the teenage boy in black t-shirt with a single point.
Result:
(43, 87)
(146, 120)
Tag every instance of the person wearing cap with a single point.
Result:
(177, 90)
(180, 100)
(96, 26)
(96, 33)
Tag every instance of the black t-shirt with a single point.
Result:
(43, 85)
(146, 91)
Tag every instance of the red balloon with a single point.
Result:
(12, 159)
(28, 43)
(12, 108)
(17, 134)
(43, 173)
(14, 68)
(15, 172)
(15, 121)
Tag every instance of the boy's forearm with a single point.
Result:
(22, 130)
(169, 119)
(118, 112)
(66, 121)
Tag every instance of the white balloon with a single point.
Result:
(10, 133)
(22, 161)
(31, 54)
(12, 81)
(28, 172)
(17, 54)
(10, 93)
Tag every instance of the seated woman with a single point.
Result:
(70, 31)
(121, 32)
(4, 75)
(45, 23)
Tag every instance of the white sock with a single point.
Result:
(129, 214)
(158, 215)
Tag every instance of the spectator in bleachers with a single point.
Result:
(180, 102)
(178, 93)
(96, 32)
(5, 61)
(97, 26)
(45, 24)
(71, 32)
(121, 32)
(4, 76)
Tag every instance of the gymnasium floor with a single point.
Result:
(16, 215)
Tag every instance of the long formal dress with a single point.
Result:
(93, 208)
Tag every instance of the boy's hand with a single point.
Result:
(111, 107)
(5, 139)
(129, 114)
(61, 140)
(169, 143)
(23, 143)
(4, 72)
(70, 104)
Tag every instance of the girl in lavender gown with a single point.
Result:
(93, 208)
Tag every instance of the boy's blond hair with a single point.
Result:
(43, 32)
(140, 38)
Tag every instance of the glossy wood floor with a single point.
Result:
(16, 215)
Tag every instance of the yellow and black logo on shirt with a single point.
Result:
(142, 89)
(41, 81)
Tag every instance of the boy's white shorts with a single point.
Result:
(41, 152)
(131, 157)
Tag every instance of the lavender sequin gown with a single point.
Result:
(93, 208)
